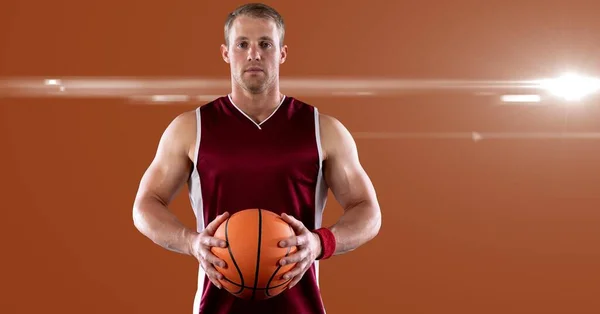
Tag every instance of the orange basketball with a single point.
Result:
(253, 271)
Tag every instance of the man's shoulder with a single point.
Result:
(181, 131)
(184, 121)
(330, 124)
(335, 137)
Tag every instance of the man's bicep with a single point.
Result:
(344, 173)
(171, 165)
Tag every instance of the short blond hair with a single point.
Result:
(255, 10)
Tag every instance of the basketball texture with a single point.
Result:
(252, 254)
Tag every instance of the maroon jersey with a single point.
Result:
(274, 165)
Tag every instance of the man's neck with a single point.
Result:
(257, 106)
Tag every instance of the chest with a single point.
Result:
(234, 153)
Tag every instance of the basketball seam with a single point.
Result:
(257, 253)
(233, 259)
(277, 270)
(257, 288)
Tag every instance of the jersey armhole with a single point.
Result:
(198, 136)
(318, 134)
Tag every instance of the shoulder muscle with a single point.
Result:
(336, 140)
(344, 173)
(171, 166)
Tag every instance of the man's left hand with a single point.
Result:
(309, 248)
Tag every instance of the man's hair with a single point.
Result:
(255, 10)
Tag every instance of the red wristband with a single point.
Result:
(327, 243)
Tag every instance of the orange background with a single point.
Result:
(494, 227)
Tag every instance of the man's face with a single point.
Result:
(254, 53)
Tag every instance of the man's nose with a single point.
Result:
(253, 53)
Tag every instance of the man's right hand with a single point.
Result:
(200, 247)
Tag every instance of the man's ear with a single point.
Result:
(284, 52)
(225, 53)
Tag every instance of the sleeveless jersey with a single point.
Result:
(276, 165)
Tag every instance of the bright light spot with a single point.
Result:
(521, 98)
(52, 82)
(169, 98)
(571, 87)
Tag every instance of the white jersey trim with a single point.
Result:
(321, 188)
(258, 125)
(195, 195)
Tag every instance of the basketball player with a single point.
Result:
(257, 148)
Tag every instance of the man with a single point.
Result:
(257, 148)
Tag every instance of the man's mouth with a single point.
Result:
(254, 69)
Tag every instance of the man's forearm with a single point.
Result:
(358, 225)
(160, 225)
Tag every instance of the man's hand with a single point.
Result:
(309, 248)
(201, 245)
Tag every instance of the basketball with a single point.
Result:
(252, 254)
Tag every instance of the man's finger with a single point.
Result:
(294, 241)
(212, 241)
(214, 225)
(215, 282)
(296, 280)
(295, 274)
(295, 258)
(300, 268)
(213, 275)
(209, 257)
(296, 224)
(214, 260)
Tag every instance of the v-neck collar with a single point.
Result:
(258, 125)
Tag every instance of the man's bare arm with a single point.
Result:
(351, 187)
(166, 175)
(354, 191)
(169, 171)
